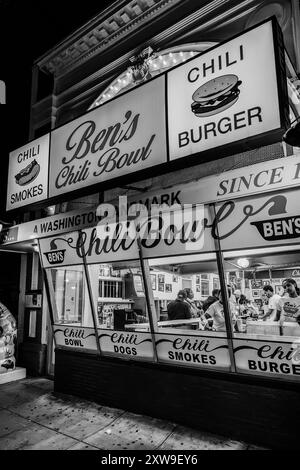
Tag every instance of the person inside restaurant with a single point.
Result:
(195, 311)
(179, 309)
(216, 313)
(273, 302)
(289, 305)
(214, 297)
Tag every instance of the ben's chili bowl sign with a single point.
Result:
(193, 350)
(157, 235)
(75, 337)
(125, 135)
(126, 344)
(263, 357)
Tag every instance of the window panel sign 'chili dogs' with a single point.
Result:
(227, 94)
(28, 173)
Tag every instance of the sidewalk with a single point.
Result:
(31, 417)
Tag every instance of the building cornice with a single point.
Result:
(102, 32)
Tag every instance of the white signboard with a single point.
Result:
(170, 233)
(128, 345)
(268, 358)
(224, 95)
(272, 220)
(123, 136)
(28, 174)
(267, 176)
(95, 244)
(202, 351)
(75, 337)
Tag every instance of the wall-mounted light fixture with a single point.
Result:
(292, 135)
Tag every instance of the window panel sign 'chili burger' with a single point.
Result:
(28, 173)
(228, 94)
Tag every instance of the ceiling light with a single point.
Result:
(243, 262)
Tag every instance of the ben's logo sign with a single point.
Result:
(281, 228)
(55, 256)
(2, 92)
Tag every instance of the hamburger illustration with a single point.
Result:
(216, 95)
(28, 174)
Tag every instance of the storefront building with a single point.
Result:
(164, 168)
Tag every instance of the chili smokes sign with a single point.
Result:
(232, 92)
(205, 351)
(28, 174)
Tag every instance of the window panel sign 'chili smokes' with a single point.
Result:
(193, 350)
(28, 174)
(226, 95)
(123, 136)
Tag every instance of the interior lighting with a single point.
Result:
(243, 262)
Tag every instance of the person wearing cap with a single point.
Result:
(273, 304)
(178, 309)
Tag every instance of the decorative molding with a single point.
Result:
(102, 34)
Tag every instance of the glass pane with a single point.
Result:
(190, 327)
(120, 302)
(267, 302)
(69, 288)
(71, 306)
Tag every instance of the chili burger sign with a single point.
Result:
(227, 94)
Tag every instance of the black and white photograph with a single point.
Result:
(153, 281)
(161, 287)
(149, 228)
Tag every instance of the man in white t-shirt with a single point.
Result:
(273, 305)
(289, 305)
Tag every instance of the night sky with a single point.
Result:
(28, 29)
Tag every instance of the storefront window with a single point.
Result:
(73, 323)
(118, 294)
(190, 324)
(267, 303)
(69, 291)
(120, 302)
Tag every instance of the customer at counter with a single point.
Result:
(195, 311)
(178, 309)
(289, 305)
(216, 312)
(214, 297)
(273, 304)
